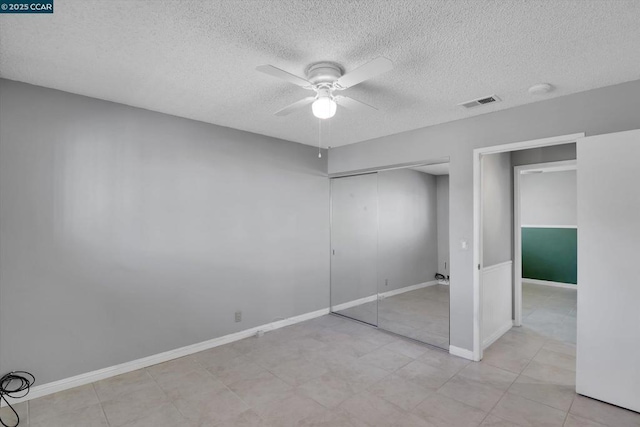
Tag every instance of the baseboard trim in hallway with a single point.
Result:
(123, 368)
(461, 352)
(549, 283)
(497, 334)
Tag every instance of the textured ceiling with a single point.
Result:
(197, 59)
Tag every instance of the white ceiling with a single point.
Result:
(197, 59)
(437, 169)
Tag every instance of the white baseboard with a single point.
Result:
(354, 303)
(549, 283)
(383, 295)
(549, 226)
(497, 334)
(461, 352)
(101, 374)
(497, 303)
(408, 289)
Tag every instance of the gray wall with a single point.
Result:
(548, 198)
(497, 209)
(408, 232)
(125, 233)
(555, 153)
(442, 190)
(610, 109)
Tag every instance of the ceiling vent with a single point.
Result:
(480, 101)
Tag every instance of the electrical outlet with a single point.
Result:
(386, 282)
(238, 316)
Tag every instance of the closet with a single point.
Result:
(389, 251)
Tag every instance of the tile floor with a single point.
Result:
(422, 314)
(550, 311)
(331, 371)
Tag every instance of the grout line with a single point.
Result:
(171, 400)
(494, 405)
(481, 382)
(566, 415)
(503, 393)
(546, 340)
(224, 384)
(104, 414)
(531, 400)
(544, 404)
(572, 402)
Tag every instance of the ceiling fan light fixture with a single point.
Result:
(325, 78)
(324, 107)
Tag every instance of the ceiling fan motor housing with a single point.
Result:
(324, 73)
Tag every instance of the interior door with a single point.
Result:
(354, 247)
(608, 341)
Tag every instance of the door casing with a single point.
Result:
(477, 220)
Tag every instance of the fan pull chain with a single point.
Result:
(319, 138)
(328, 132)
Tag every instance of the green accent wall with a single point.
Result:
(550, 254)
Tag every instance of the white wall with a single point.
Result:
(548, 198)
(608, 344)
(442, 190)
(497, 297)
(125, 233)
(598, 111)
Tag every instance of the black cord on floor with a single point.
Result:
(13, 385)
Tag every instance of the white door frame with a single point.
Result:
(517, 225)
(477, 220)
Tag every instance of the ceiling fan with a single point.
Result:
(326, 78)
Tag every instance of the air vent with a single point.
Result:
(480, 101)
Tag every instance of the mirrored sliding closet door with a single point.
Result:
(412, 302)
(354, 247)
(390, 251)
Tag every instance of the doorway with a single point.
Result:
(494, 282)
(545, 249)
(608, 208)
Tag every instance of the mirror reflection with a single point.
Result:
(354, 251)
(413, 252)
(390, 251)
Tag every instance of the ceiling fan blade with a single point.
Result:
(353, 104)
(296, 105)
(281, 74)
(370, 69)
